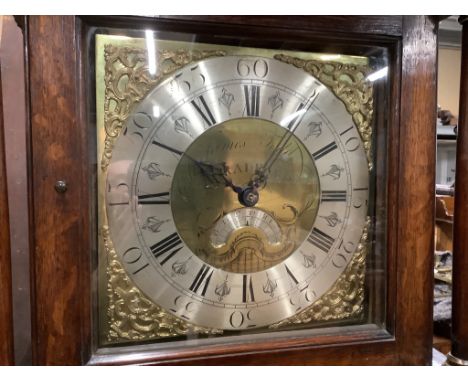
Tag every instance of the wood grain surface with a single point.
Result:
(62, 222)
(60, 261)
(460, 227)
(6, 323)
(416, 202)
(376, 25)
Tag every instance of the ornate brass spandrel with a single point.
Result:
(128, 80)
(348, 82)
(346, 297)
(131, 315)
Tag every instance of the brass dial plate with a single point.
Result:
(255, 299)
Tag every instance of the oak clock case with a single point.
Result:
(236, 190)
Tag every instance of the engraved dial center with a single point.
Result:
(225, 221)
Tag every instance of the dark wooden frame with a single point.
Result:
(61, 224)
(459, 332)
(6, 305)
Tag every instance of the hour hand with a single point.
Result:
(214, 173)
(259, 179)
(217, 173)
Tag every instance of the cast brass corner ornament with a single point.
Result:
(348, 82)
(345, 298)
(128, 81)
(130, 315)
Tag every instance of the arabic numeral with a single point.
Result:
(358, 203)
(243, 68)
(238, 319)
(352, 144)
(143, 120)
(183, 308)
(304, 298)
(179, 85)
(118, 195)
(261, 68)
(258, 67)
(135, 260)
(184, 82)
(361, 200)
(339, 261)
(348, 246)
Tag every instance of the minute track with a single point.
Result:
(324, 151)
(165, 245)
(158, 198)
(333, 196)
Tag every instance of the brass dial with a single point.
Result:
(237, 192)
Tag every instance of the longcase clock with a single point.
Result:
(226, 190)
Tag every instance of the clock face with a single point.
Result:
(237, 192)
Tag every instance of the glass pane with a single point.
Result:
(241, 186)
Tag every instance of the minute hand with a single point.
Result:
(207, 169)
(213, 171)
(261, 174)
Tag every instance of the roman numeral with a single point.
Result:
(321, 240)
(175, 151)
(333, 196)
(252, 100)
(165, 245)
(344, 132)
(159, 198)
(140, 269)
(247, 289)
(324, 150)
(201, 276)
(206, 112)
(297, 119)
(119, 203)
(291, 275)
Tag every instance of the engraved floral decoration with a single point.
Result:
(315, 130)
(270, 286)
(154, 170)
(223, 289)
